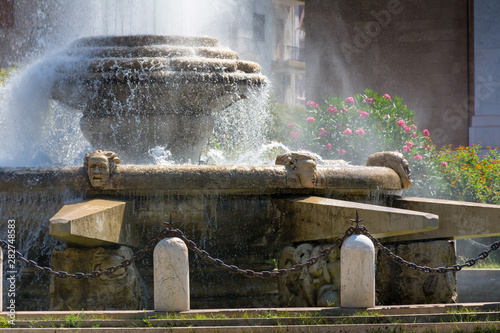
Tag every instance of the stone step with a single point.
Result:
(414, 318)
(312, 218)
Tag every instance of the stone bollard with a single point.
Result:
(357, 272)
(171, 275)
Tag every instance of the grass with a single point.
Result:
(396, 323)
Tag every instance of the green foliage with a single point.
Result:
(355, 127)
(469, 176)
(73, 320)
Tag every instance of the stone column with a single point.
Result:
(357, 273)
(171, 275)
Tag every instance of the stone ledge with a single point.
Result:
(316, 218)
(95, 223)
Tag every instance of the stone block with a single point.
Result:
(457, 219)
(317, 218)
(95, 223)
(119, 290)
(397, 284)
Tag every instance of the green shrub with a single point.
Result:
(355, 127)
(468, 176)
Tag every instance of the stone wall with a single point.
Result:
(415, 49)
(486, 120)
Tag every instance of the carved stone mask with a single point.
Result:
(305, 166)
(302, 165)
(100, 165)
(396, 162)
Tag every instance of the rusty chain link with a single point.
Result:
(169, 232)
(454, 268)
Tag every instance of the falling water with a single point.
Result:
(37, 131)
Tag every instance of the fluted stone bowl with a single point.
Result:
(142, 91)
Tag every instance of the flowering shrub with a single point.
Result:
(355, 127)
(470, 177)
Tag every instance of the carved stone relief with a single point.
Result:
(100, 165)
(317, 285)
(395, 161)
(301, 167)
(120, 290)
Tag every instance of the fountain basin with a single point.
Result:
(139, 92)
(230, 211)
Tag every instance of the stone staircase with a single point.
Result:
(466, 317)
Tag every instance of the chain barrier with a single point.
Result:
(454, 268)
(169, 232)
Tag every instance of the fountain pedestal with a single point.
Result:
(140, 92)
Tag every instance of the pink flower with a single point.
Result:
(407, 128)
(323, 133)
(418, 157)
(426, 132)
(310, 120)
(290, 125)
(313, 104)
(413, 134)
(328, 146)
(386, 96)
(341, 152)
(409, 144)
(360, 132)
(332, 109)
(295, 134)
(364, 114)
(406, 149)
(369, 100)
(444, 164)
(401, 123)
(344, 110)
(347, 132)
(349, 100)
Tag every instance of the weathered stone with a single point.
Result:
(316, 285)
(318, 218)
(396, 284)
(171, 275)
(100, 165)
(357, 272)
(300, 166)
(457, 219)
(95, 223)
(338, 180)
(161, 94)
(120, 290)
(395, 161)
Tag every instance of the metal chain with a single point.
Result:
(262, 274)
(168, 232)
(94, 274)
(455, 268)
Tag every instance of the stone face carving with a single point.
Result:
(302, 166)
(120, 290)
(100, 165)
(317, 285)
(396, 162)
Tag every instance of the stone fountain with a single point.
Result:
(142, 91)
(138, 92)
